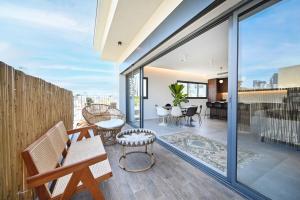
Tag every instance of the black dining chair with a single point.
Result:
(168, 106)
(191, 111)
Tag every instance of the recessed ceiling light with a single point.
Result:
(183, 58)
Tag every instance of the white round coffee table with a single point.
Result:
(136, 138)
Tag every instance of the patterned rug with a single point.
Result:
(210, 151)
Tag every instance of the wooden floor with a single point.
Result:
(171, 178)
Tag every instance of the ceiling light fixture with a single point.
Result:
(221, 81)
(221, 73)
(183, 58)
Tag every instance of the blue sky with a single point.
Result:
(53, 39)
(269, 40)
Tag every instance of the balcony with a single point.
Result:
(170, 178)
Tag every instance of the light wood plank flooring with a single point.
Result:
(171, 178)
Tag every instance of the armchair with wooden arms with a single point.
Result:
(57, 167)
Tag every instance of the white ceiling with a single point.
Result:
(128, 21)
(203, 55)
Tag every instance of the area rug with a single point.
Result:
(207, 150)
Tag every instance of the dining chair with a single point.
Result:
(162, 113)
(176, 114)
(199, 115)
(191, 111)
(168, 106)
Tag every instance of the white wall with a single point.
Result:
(158, 92)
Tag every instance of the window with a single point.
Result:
(194, 90)
(185, 91)
(145, 87)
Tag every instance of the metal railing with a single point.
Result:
(80, 101)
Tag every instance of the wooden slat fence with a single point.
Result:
(29, 106)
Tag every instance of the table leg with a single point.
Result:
(124, 156)
(151, 148)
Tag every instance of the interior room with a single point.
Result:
(201, 67)
(202, 64)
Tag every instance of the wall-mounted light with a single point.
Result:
(221, 81)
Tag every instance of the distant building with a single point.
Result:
(289, 76)
(274, 81)
(257, 84)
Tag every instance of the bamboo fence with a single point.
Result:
(29, 107)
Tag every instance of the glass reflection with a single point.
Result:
(269, 100)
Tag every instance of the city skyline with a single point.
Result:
(259, 55)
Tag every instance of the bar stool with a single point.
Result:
(224, 111)
(218, 107)
(208, 106)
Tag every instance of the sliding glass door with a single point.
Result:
(257, 71)
(133, 99)
(268, 104)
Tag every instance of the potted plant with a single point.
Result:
(178, 95)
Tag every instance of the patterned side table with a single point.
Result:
(108, 129)
(136, 138)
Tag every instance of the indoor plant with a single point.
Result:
(178, 95)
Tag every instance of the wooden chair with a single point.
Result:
(58, 168)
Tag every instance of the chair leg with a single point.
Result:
(200, 120)
(91, 184)
(72, 185)
(88, 180)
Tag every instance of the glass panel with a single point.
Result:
(145, 87)
(185, 89)
(197, 127)
(193, 90)
(269, 101)
(133, 98)
(202, 90)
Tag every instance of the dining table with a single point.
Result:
(182, 108)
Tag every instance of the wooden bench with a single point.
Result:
(58, 168)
